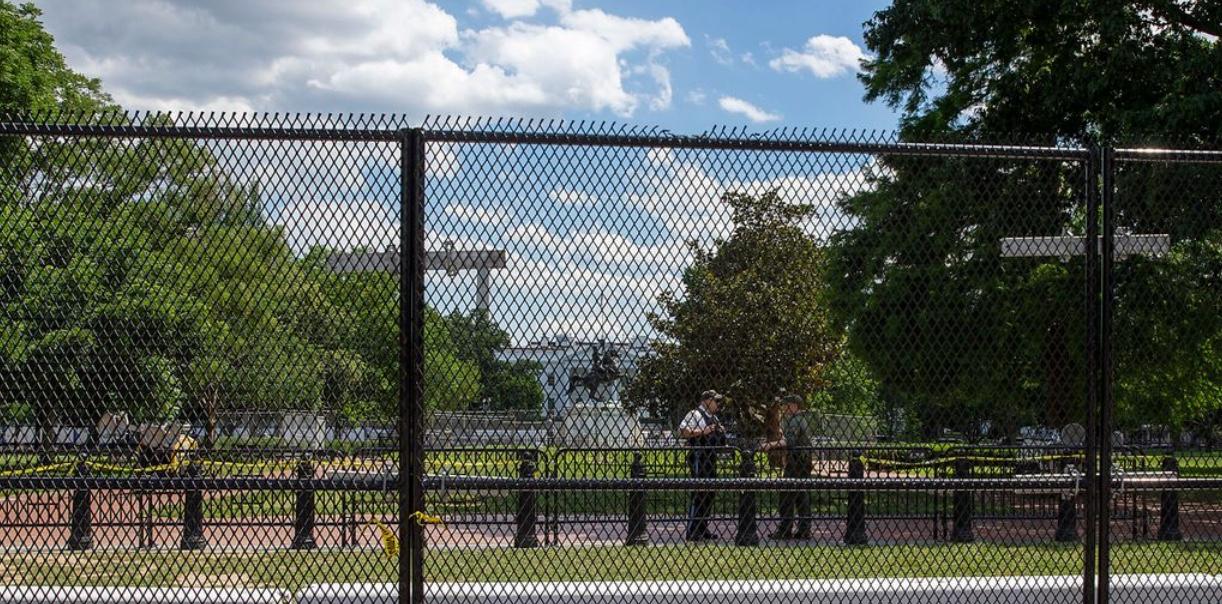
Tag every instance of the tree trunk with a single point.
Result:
(46, 436)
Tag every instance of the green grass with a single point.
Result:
(293, 570)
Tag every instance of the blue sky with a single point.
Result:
(676, 62)
(593, 236)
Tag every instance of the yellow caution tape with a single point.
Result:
(132, 469)
(390, 541)
(36, 470)
(422, 518)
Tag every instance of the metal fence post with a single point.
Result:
(961, 505)
(1067, 519)
(411, 363)
(527, 516)
(193, 513)
(855, 525)
(1103, 431)
(636, 504)
(1169, 511)
(81, 536)
(303, 509)
(1091, 291)
(747, 533)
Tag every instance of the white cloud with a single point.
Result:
(512, 9)
(571, 197)
(696, 97)
(747, 110)
(407, 56)
(441, 160)
(485, 216)
(824, 56)
(592, 274)
(338, 225)
(720, 49)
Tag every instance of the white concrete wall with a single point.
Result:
(1178, 589)
(141, 595)
(1126, 589)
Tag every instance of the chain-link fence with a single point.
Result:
(624, 364)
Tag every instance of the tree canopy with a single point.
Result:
(949, 326)
(751, 321)
(143, 276)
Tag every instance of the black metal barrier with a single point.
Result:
(558, 478)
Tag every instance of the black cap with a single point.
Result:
(795, 399)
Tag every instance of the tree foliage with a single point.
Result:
(750, 321)
(141, 276)
(504, 385)
(955, 331)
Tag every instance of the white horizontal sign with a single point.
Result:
(1068, 246)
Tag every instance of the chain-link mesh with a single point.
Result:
(863, 274)
(178, 359)
(1167, 403)
(760, 367)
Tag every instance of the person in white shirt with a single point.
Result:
(704, 434)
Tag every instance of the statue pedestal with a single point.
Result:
(600, 425)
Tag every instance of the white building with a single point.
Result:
(561, 356)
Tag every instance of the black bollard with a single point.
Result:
(303, 510)
(81, 536)
(193, 514)
(962, 506)
(1169, 512)
(636, 505)
(527, 516)
(1067, 520)
(855, 527)
(747, 533)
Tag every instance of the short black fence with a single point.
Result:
(530, 497)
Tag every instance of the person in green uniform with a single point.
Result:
(795, 440)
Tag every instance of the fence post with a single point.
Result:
(962, 506)
(636, 504)
(81, 536)
(747, 533)
(303, 509)
(1169, 512)
(527, 515)
(193, 513)
(855, 527)
(1067, 519)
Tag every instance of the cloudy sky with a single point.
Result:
(680, 64)
(592, 235)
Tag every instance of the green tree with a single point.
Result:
(750, 322)
(451, 380)
(141, 276)
(956, 332)
(504, 385)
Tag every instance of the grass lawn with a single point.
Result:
(292, 570)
